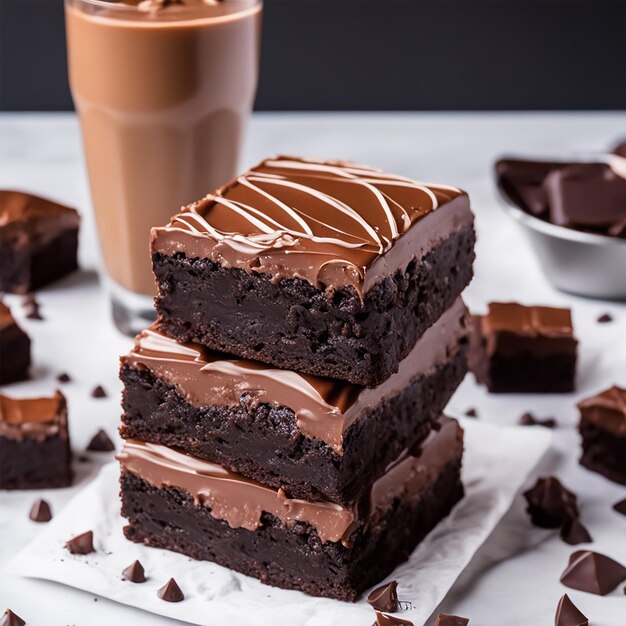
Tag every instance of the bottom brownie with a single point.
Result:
(604, 452)
(14, 349)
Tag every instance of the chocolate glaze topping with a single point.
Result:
(240, 502)
(333, 223)
(36, 418)
(324, 408)
(607, 410)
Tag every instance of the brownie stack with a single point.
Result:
(283, 417)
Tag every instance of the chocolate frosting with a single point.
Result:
(33, 418)
(607, 410)
(241, 502)
(333, 223)
(324, 408)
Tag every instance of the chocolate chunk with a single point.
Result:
(569, 615)
(101, 442)
(444, 619)
(81, 544)
(528, 419)
(573, 532)
(605, 318)
(134, 573)
(64, 378)
(382, 619)
(171, 592)
(40, 511)
(31, 307)
(593, 572)
(620, 506)
(550, 504)
(471, 412)
(385, 597)
(98, 392)
(11, 619)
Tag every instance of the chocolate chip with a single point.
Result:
(134, 573)
(605, 318)
(64, 378)
(568, 615)
(528, 419)
(32, 309)
(98, 392)
(593, 572)
(81, 544)
(101, 442)
(40, 511)
(11, 619)
(171, 592)
(573, 532)
(382, 619)
(443, 619)
(550, 504)
(620, 506)
(385, 597)
(471, 412)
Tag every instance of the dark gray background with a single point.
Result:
(380, 54)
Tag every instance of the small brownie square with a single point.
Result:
(34, 443)
(14, 349)
(603, 430)
(322, 267)
(38, 241)
(523, 349)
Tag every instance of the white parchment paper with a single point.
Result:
(497, 463)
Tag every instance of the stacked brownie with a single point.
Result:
(283, 417)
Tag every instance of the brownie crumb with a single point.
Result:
(471, 412)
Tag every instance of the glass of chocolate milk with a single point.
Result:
(163, 89)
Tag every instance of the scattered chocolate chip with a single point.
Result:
(471, 412)
(384, 598)
(64, 378)
(32, 309)
(528, 419)
(382, 619)
(443, 619)
(98, 392)
(605, 318)
(573, 532)
(568, 615)
(170, 592)
(620, 506)
(11, 619)
(81, 544)
(550, 504)
(40, 511)
(134, 573)
(593, 572)
(101, 442)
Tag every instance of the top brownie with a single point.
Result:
(324, 267)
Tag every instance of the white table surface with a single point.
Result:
(513, 580)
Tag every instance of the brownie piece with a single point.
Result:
(181, 503)
(14, 349)
(38, 241)
(313, 437)
(34, 443)
(603, 430)
(523, 349)
(322, 267)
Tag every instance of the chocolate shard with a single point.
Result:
(81, 544)
(382, 619)
(40, 511)
(171, 592)
(568, 615)
(471, 412)
(605, 318)
(101, 442)
(134, 573)
(593, 572)
(550, 504)
(528, 419)
(98, 392)
(620, 506)
(444, 619)
(385, 597)
(11, 619)
(64, 378)
(573, 532)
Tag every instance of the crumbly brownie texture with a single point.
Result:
(518, 349)
(38, 241)
(34, 443)
(14, 349)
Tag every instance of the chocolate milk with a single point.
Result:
(163, 89)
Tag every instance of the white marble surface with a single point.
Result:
(514, 577)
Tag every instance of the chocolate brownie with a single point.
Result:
(313, 437)
(603, 430)
(38, 241)
(322, 267)
(181, 503)
(14, 349)
(34, 443)
(523, 349)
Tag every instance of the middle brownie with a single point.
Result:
(315, 438)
